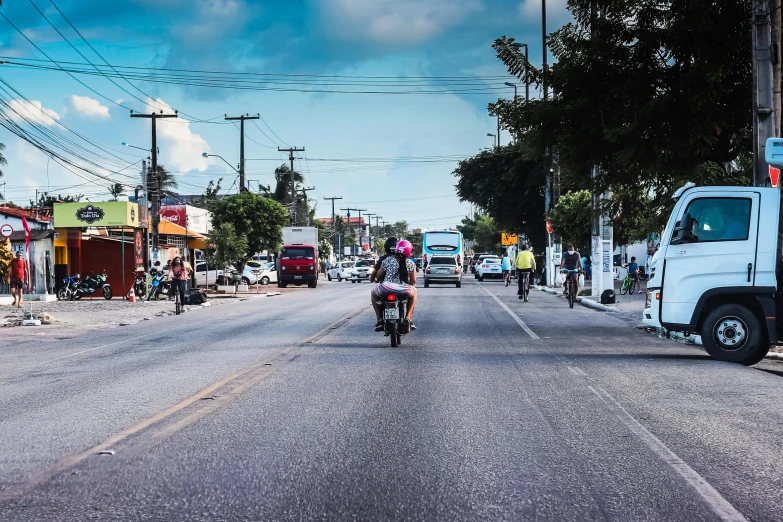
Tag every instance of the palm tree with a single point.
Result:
(2, 158)
(116, 190)
(282, 192)
(168, 183)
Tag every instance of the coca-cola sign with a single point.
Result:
(90, 214)
(174, 213)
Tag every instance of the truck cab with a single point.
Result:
(298, 265)
(715, 270)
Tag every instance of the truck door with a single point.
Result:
(722, 252)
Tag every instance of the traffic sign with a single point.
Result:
(549, 228)
(507, 239)
(6, 230)
(774, 175)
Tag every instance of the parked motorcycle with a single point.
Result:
(92, 285)
(68, 290)
(395, 323)
(139, 286)
(159, 286)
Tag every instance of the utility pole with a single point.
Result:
(360, 225)
(544, 46)
(369, 228)
(334, 229)
(155, 184)
(348, 210)
(290, 152)
(775, 6)
(242, 146)
(763, 104)
(304, 198)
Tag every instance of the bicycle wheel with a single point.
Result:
(526, 288)
(177, 302)
(571, 296)
(624, 287)
(632, 287)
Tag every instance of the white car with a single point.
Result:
(340, 271)
(268, 273)
(361, 270)
(206, 277)
(489, 267)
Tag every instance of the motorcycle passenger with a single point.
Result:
(397, 275)
(177, 276)
(526, 263)
(388, 249)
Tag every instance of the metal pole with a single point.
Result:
(544, 46)
(763, 122)
(123, 262)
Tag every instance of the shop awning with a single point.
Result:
(197, 243)
(171, 229)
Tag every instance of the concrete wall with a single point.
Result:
(38, 250)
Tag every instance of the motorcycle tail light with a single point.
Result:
(391, 297)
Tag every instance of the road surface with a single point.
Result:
(292, 408)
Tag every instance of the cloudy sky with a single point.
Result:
(388, 144)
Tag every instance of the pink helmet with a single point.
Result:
(405, 248)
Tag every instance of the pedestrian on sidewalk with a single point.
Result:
(177, 276)
(18, 277)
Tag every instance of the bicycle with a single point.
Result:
(525, 285)
(629, 284)
(507, 276)
(570, 286)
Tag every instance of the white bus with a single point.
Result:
(447, 242)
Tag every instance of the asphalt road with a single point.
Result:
(292, 408)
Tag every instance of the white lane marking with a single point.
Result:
(83, 351)
(576, 370)
(519, 321)
(719, 505)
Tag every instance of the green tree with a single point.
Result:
(6, 256)
(210, 195)
(572, 219)
(116, 190)
(487, 234)
(226, 247)
(379, 244)
(417, 240)
(45, 200)
(259, 219)
(168, 183)
(653, 93)
(282, 192)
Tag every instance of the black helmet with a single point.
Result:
(390, 245)
(523, 246)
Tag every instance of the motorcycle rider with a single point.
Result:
(388, 248)
(397, 275)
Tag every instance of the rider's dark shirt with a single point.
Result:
(572, 261)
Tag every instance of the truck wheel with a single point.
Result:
(312, 284)
(733, 333)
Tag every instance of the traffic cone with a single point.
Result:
(132, 296)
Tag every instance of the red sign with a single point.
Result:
(6, 230)
(549, 228)
(774, 175)
(138, 248)
(176, 214)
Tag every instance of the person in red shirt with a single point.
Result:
(18, 278)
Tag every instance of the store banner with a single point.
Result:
(96, 214)
(176, 214)
(138, 248)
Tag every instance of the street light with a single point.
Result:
(493, 136)
(124, 144)
(207, 155)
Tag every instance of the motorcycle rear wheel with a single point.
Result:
(391, 327)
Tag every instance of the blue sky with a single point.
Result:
(356, 38)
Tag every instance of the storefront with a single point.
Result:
(84, 245)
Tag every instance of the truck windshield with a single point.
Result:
(298, 253)
(442, 241)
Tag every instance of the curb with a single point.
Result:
(587, 303)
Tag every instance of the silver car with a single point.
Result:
(443, 269)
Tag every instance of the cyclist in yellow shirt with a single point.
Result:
(526, 264)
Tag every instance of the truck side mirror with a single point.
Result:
(683, 230)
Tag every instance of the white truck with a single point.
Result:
(717, 269)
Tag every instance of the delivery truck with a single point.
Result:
(717, 271)
(297, 261)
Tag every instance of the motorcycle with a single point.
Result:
(139, 286)
(68, 290)
(395, 323)
(159, 285)
(91, 285)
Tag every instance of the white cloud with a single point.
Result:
(180, 147)
(397, 22)
(33, 110)
(88, 107)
